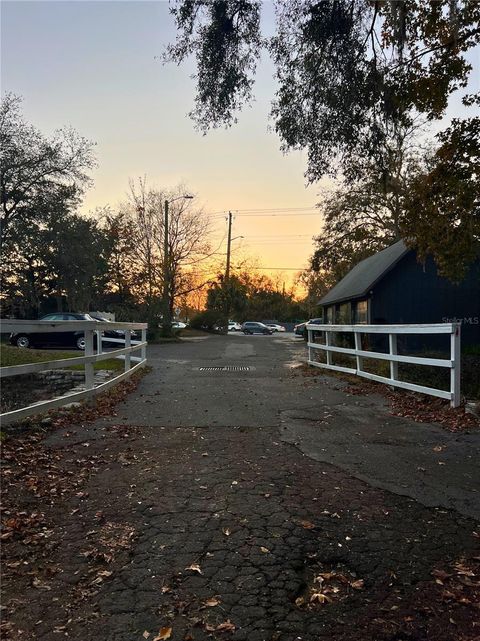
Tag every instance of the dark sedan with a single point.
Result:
(256, 328)
(54, 338)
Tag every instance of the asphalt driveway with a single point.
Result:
(355, 433)
(255, 504)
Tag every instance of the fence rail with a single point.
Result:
(88, 328)
(392, 356)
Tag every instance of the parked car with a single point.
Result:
(256, 328)
(178, 325)
(233, 326)
(54, 338)
(276, 327)
(301, 328)
(113, 333)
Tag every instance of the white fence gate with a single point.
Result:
(453, 363)
(89, 328)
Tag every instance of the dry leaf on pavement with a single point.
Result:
(307, 525)
(211, 603)
(358, 585)
(164, 634)
(227, 626)
(194, 568)
(319, 597)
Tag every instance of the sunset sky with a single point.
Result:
(92, 65)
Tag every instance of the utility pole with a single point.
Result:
(166, 321)
(229, 243)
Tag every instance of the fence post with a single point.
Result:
(128, 343)
(143, 352)
(89, 369)
(455, 372)
(309, 338)
(392, 344)
(328, 343)
(358, 347)
(99, 341)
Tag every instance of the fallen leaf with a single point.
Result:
(226, 531)
(227, 626)
(40, 585)
(165, 633)
(211, 603)
(358, 585)
(194, 568)
(307, 525)
(299, 601)
(264, 550)
(146, 634)
(324, 576)
(319, 597)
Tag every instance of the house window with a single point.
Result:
(361, 312)
(343, 314)
(329, 318)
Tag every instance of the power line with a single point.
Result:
(261, 209)
(293, 269)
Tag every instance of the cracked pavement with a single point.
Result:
(236, 497)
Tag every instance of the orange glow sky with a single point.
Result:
(92, 65)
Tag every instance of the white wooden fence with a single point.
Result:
(392, 356)
(89, 328)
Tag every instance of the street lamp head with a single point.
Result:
(184, 196)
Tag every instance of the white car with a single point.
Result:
(233, 326)
(178, 325)
(276, 328)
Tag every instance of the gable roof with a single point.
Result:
(361, 278)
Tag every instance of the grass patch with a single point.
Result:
(10, 355)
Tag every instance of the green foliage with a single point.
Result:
(226, 48)
(37, 171)
(208, 320)
(344, 67)
(252, 296)
(228, 296)
(442, 215)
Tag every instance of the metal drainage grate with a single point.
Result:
(225, 368)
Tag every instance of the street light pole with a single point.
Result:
(167, 284)
(167, 317)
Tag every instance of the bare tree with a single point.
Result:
(188, 241)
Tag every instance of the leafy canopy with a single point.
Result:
(349, 72)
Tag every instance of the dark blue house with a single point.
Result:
(392, 287)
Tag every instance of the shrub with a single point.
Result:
(209, 320)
